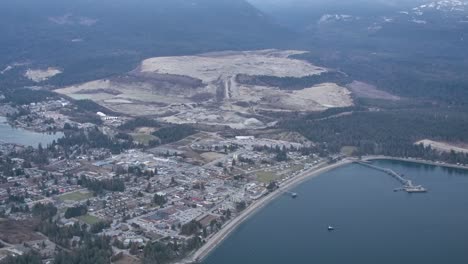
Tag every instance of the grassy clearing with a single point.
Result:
(143, 138)
(76, 196)
(348, 150)
(266, 176)
(297, 167)
(89, 219)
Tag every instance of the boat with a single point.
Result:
(331, 228)
(415, 189)
(294, 195)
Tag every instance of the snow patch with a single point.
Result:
(336, 17)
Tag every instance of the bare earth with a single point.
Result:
(442, 146)
(365, 90)
(203, 89)
(40, 75)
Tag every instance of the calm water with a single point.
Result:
(10, 134)
(374, 224)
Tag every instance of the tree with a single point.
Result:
(240, 206)
(190, 228)
(159, 199)
(76, 211)
(133, 248)
(44, 211)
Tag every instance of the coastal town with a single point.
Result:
(118, 178)
(151, 191)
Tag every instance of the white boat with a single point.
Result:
(331, 228)
(416, 189)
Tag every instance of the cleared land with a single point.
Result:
(76, 196)
(17, 232)
(209, 67)
(40, 75)
(442, 146)
(203, 89)
(143, 138)
(211, 156)
(266, 176)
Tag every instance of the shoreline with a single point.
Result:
(414, 160)
(215, 240)
(250, 211)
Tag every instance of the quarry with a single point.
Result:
(204, 89)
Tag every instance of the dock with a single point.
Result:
(408, 185)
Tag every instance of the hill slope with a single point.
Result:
(90, 39)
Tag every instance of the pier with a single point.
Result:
(408, 185)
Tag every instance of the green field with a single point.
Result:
(89, 219)
(76, 196)
(266, 176)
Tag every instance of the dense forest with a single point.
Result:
(388, 132)
(99, 186)
(402, 70)
(93, 138)
(174, 133)
(24, 96)
(108, 45)
(139, 122)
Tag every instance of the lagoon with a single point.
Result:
(9, 134)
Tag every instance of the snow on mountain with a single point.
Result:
(327, 18)
(444, 5)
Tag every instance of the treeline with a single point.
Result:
(391, 133)
(407, 74)
(174, 133)
(294, 83)
(94, 249)
(160, 253)
(87, 105)
(24, 96)
(190, 228)
(44, 211)
(76, 211)
(28, 258)
(333, 112)
(99, 186)
(85, 112)
(94, 138)
(139, 122)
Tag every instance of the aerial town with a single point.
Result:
(133, 180)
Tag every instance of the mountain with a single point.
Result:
(411, 48)
(87, 39)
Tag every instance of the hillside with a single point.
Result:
(86, 39)
(413, 49)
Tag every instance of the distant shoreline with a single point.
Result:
(313, 172)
